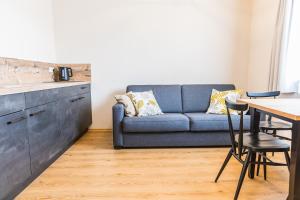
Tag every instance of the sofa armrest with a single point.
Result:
(118, 115)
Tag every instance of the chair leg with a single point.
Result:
(288, 159)
(224, 165)
(258, 165)
(274, 135)
(265, 165)
(244, 150)
(243, 173)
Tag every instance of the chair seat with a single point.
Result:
(168, 122)
(263, 143)
(275, 125)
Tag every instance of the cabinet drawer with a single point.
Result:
(11, 103)
(41, 97)
(75, 90)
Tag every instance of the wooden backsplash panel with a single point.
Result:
(17, 71)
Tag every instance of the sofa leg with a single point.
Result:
(118, 147)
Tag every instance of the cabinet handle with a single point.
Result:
(73, 100)
(83, 87)
(15, 120)
(77, 99)
(37, 113)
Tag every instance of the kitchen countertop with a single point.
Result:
(30, 87)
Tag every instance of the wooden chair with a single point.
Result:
(268, 126)
(243, 145)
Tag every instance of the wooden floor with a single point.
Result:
(91, 169)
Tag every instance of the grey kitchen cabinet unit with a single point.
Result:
(35, 129)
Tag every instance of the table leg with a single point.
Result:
(255, 119)
(294, 192)
(254, 129)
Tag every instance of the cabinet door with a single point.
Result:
(43, 128)
(84, 113)
(68, 120)
(14, 153)
(76, 117)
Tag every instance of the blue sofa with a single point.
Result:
(184, 124)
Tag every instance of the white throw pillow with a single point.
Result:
(126, 101)
(145, 103)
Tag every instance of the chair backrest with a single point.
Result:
(255, 95)
(241, 108)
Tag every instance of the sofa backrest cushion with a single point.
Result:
(168, 96)
(196, 98)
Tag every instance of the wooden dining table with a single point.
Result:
(287, 110)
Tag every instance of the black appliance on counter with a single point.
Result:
(65, 73)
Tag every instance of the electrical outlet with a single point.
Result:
(51, 69)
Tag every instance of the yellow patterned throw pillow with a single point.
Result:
(145, 103)
(217, 101)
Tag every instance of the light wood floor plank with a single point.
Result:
(91, 169)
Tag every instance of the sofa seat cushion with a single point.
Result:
(169, 122)
(215, 122)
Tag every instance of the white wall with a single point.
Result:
(27, 29)
(144, 41)
(242, 43)
(152, 42)
(262, 28)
